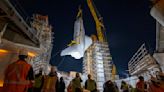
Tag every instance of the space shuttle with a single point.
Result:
(157, 11)
(80, 41)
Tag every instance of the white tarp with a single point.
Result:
(158, 12)
(82, 42)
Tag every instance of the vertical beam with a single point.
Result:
(2, 32)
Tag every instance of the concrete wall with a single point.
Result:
(160, 59)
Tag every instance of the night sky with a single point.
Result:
(128, 25)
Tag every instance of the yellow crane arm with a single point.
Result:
(99, 24)
(114, 71)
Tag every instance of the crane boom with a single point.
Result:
(98, 21)
(114, 71)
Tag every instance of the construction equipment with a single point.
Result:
(98, 20)
(103, 42)
(114, 72)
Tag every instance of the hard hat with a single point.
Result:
(23, 52)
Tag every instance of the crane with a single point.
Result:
(98, 21)
(114, 71)
(100, 29)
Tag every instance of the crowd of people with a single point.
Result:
(75, 85)
(155, 84)
(19, 77)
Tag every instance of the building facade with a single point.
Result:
(159, 52)
(15, 35)
(40, 23)
(157, 12)
(143, 64)
(97, 62)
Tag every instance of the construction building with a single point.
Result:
(157, 12)
(159, 52)
(143, 64)
(97, 60)
(17, 34)
(44, 32)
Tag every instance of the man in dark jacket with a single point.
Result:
(109, 87)
(61, 85)
(90, 84)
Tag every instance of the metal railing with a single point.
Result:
(20, 9)
(140, 60)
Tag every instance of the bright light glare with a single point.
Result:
(1, 83)
(3, 51)
(31, 54)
